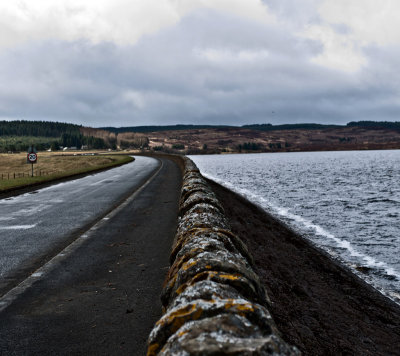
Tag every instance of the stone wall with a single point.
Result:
(213, 300)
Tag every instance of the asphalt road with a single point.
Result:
(100, 294)
(35, 224)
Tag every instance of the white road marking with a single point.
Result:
(8, 298)
(18, 227)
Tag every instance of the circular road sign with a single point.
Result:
(32, 157)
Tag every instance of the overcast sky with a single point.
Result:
(158, 62)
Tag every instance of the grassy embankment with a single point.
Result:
(51, 166)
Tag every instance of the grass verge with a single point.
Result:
(52, 168)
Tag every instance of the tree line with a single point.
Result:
(19, 135)
(259, 127)
(36, 128)
(392, 125)
(146, 129)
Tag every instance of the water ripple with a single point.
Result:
(346, 202)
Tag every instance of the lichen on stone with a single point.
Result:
(226, 334)
(199, 197)
(213, 300)
(200, 309)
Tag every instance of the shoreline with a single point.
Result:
(327, 149)
(318, 304)
(355, 270)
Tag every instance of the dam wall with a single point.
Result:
(213, 301)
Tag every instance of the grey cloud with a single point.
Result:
(164, 80)
(296, 12)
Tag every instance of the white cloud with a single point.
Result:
(135, 98)
(340, 52)
(122, 22)
(347, 27)
(228, 56)
(369, 21)
(118, 21)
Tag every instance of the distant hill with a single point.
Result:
(145, 129)
(270, 127)
(192, 139)
(277, 138)
(259, 127)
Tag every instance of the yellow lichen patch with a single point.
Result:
(197, 314)
(181, 288)
(181, 238)
(179, 317)
(187, 265)
(177, 323)
(181, 333)
(195, 249)
(242, 307)
(182, 312)
(202, 276)
(152, 349)
(208, 267)
(196, 278)
(232, 277)
(172, 281)
(193, 252)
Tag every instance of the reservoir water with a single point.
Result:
(347, 203)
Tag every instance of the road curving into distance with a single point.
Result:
(35, 224)
(100, 294)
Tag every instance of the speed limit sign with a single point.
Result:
(32, 157)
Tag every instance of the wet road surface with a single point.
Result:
(103, 297)
(35, 225)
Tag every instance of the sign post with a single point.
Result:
(32, 156)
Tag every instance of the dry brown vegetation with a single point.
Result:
(123, 140)
(229, 139)
(51, 166)
(132, 139)
(56, 163)
(108, 137)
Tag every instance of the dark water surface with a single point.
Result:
(345, 202)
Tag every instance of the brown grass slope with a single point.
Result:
(229, 139)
